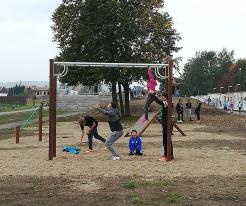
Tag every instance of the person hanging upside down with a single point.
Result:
(151, 83)
(92, 124)
(135, 144)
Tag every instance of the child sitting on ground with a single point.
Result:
(135, 144)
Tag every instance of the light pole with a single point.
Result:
(240, 70)
(213, 90)
(221, 89)
(236, 87)
(228, 88)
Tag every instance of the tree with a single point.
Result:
(208, 69)
(112, 31)
(240, 75)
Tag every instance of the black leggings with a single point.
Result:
(164, 127)
(182, 116)
(150, 99)
(198, 115)
(96, 135)
(239, 109)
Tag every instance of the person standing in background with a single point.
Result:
(188, 109)
(240, 105)
(180, 111)
(198, 111)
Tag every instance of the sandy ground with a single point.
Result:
(30, 157)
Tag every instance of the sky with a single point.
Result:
(26, 38)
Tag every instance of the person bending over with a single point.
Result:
(92, 131)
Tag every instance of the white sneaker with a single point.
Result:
(115, 158)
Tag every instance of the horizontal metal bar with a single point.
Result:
(117, 65)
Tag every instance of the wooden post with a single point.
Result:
(170, 108)
(17, 134)
(51, 109)
(40, 121)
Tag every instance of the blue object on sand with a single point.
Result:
(71, 150)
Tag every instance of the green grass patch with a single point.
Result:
(13, 117)
(10, 108)
(136, 200)
(174, 198)
(23, 116)
(129, 185)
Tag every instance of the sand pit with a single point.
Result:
(30, 157)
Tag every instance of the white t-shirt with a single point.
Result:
(240, 104)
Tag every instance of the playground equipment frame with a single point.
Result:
(53, 91)
(40, 125)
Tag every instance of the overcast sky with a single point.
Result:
(26, 38)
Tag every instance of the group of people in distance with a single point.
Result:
(229, 105)
(135, 142)
(188, 106)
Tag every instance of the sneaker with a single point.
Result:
(88, 151)
(139, 153)
(163, 158)
(115, 158)
(130, 153)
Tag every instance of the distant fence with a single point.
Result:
(81, 102)
(18, 100)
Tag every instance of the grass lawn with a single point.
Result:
(10, 108)
(23, 116)
(13, 107)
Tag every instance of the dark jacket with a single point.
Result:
(113, 119)
(198, 108)
(179, 107)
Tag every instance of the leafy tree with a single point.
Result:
(208, 69)
(18, 90)
(240, 75)
(112, 31)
